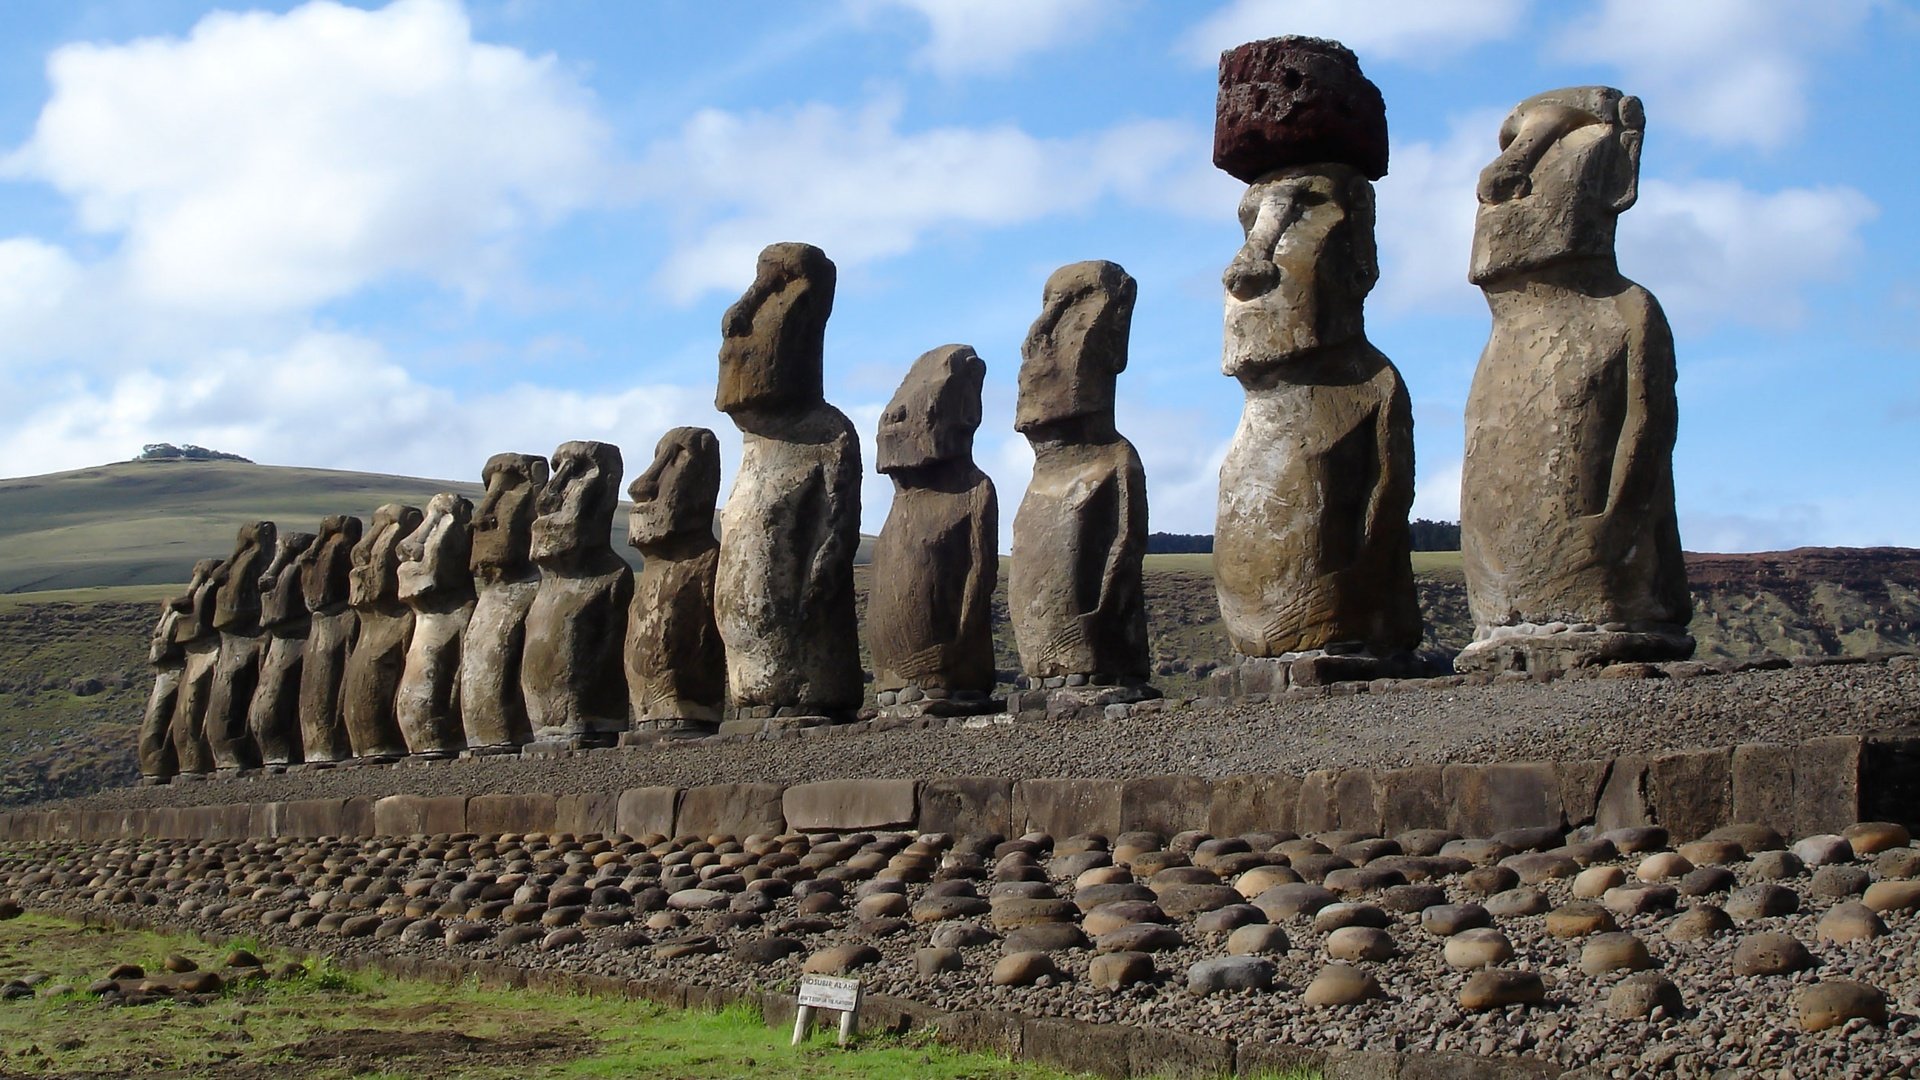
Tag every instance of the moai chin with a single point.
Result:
(1567, 528)
(1075, 593)
(326, 569)
(493, 711)
(236, 673)
(572, 673)
(676, 663)
(158, 760)
(199, 642)
(1311, 549)
(783, 594)
(274, 717)
(436, 583)
(935, 564)
(371, 683)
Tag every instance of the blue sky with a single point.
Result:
(402, 237)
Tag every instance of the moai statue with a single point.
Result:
(1075, 595)
(1311, 549)
(1567, 526)
(436, 583)
(158, 761)
(935, 564)
(676, 664)
(326, 571)
(199, 642)
(492, 709)
(572, 673)
(371, 681)
(783, 599)
(236, 616)
(274, 717)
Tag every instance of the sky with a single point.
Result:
(400, 238)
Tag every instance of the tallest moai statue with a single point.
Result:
(1311, 546)
(1567, 526)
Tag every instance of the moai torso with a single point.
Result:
(1075, 592)
(274, 717)
(1567, 514)
(783, 594)
(371, 683)
(493, 710)
(676, 662)
(572, 672)
(200, 645)
(158, 761)
(437, 585)
(935, 563)
(326, 570)
(237, 671)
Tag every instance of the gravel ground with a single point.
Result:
(398, 898)
(1418, 724)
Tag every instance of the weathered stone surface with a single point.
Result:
(647, 811)
(676, 662)
(1164, 804)
(1638, 995)
(1570, 543)
(966, 804)
(493, 710)
(1297, 101)
(783, 596)
(730, 809)
(1486, 799)
(412, 815)
(572, 673)
(200, 645)
(1692, 791)
(1311, 542)
(936, 561)
(1075, 594)
(372, 677)
(1226, 973)
(1252, 803)
(437, 584)
(488, 814)
(1763, 785)
(326, 571)
(1770, 954)
(1411, 798)
(274, 715)
(850, 805)
(1068, 807)
(236, 672)
(1495, 988)
(1834, 1002)
(1341, 984)
(166, 653)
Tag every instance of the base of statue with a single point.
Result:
(1081, 697)
(648, 732)
(1558, 648)
(190, 778)
(766, 719)
(155, 781)
(275, 768)
(370, 761)
(315, 766)
(496, 750)
(915, 701)
(561, 745)
(1271, 675)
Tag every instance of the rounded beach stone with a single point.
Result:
(1638, 995)
(1535, 867)
(1046, 937)
(1776, 866)
(1110, 917)
(1470, 949)
(1712, 852)
(1117, 971)
(1023, 969)
(1614, 952)
(881, 906)
(1517, 903)
(1261, 878)
(1226, 920)
(1824, 849)
(1477, 851)
(1411, 898)
(1851, 921)
(1336, 916)
(765, 950)
(1488, 880)
(1497, 988)
(840, 959)
(1639, 898)
(932, 961)
(1893, 896)
(1579, 919)
(1104, 875)
(1635, 839)
(1340, 984)
(1898, 863)
(1707, 880)
(960, 935)
(1770, 954)
(1835, 882)
(1593, 882)
(1425, 841)
(1361, 943)
(1229, 973)
(1183, 900)
(1662, 866)
(1834, 1002)
(1140, 937)
(1094, 896)
(1292, 901)
(1698, 924)
(1752, 838)
(1763, 901)
(1870, 838)
(1446, 920)
(1262, 939)
(1014, 912)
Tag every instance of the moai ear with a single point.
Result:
(1633, 126)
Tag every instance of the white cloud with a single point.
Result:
(974, 36)
(857, 185)
(1436, 492)
(1733, 72)
(1418, 31)
(271, 162)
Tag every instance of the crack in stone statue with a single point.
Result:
(1075, 594)
(492, 709)
(1568, 535)
(158, 759)
(274, 716)
(783, 596)
(200, 644)
(326, 571)
(371, 683)
(236, 615)
(676, 662)
(436, 582)
(935, 564)
(572, 673)
(1311, 545)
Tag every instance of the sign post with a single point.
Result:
(831, 993)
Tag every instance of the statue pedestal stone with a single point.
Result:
(1270, 675)
(1081, 697)
(914, 701)
(1559, 648)
(759, 719)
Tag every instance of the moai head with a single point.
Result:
(237, 604)
(774, 336)
(280, 586)
(503, 523)
(577, 503)
(326, 567)
(196, 607)
(1301, 280)
(677, 493)
(376, 558)
(1076, 347)
(434, 556)
(934, 414)
(1569, 165)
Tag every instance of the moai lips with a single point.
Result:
(572, 673)
(676, 662)
(493, 710)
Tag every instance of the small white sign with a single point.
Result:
(828, 992)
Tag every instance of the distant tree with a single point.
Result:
(168, 452)
(1435, 535)
(1179, 544)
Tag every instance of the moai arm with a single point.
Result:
(1129, 534)
(983, 571)
(840, 525)
(1651, 417)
